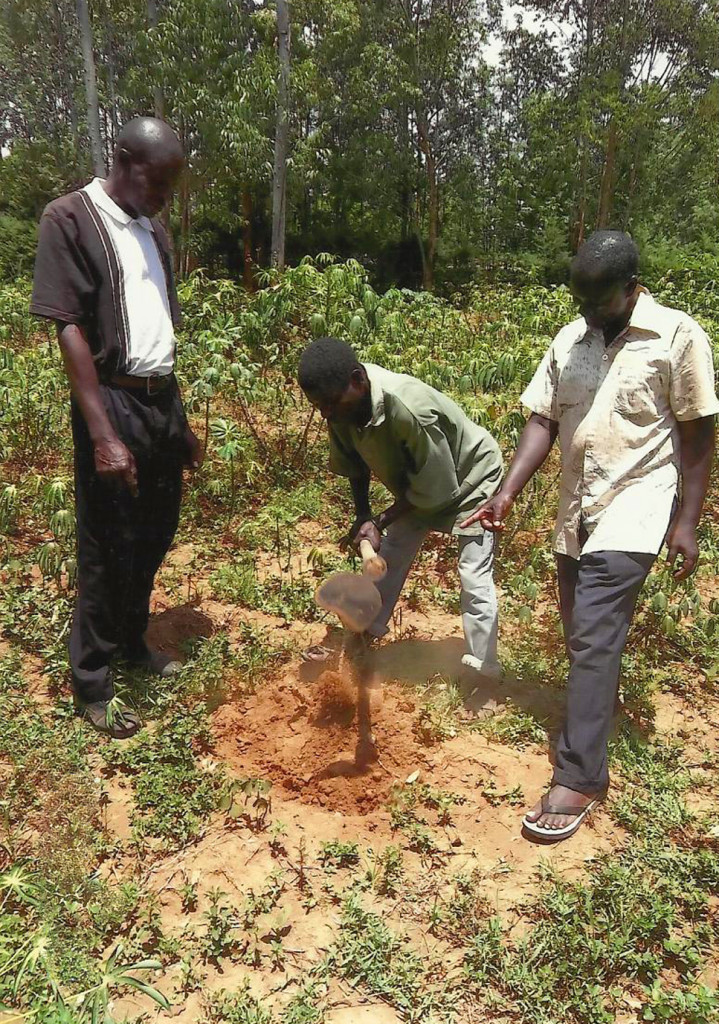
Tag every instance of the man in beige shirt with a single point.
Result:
(629, 390)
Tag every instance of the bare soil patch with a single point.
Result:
(304, 737)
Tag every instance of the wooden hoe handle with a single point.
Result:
(373, 565)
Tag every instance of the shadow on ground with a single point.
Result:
(171, 629)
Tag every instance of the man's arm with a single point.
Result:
(113, 460)
(360, 495)
(697, 452)
(372, 530)
(534, 446)
(363, 527)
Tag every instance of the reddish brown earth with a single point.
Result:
(304, 736)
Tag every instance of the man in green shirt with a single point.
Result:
(434, 460)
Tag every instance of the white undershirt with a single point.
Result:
(151, 337)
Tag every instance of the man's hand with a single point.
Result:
(114, 463)
(194, 452)
(682, 540)
(367, 531)
(361, 529)
(492, 514)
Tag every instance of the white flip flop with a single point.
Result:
(318, 653)
(580, 814)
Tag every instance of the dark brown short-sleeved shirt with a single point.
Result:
(78, 278)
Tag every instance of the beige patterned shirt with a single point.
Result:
(617, 407)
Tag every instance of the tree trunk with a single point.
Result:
(432, 202)
(182, 251)
(159, 111)
(606, 188)
(405, 191)
(185, 225)
(157, 94)
(93, 106)
(248, 278)
(67, 85)
(279, 181)
(580, 226)
(112, 91)
(633, 176)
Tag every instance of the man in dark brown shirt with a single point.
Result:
(103, 274)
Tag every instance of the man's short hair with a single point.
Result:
(610, 256)
(326, 367)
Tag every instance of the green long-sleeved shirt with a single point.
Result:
(422, 447)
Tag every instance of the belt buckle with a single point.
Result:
(150, 389)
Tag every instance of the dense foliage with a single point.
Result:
(437, 141)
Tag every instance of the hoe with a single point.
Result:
(355, 600)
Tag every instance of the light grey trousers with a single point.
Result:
(478, 600)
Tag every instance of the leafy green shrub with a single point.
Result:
(18, 241)
(173, 796)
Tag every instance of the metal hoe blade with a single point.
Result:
(354, 599)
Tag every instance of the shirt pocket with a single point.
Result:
(577, 382)
(636, 400)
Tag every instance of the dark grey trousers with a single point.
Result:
(597, 597)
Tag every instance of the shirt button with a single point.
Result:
(605, 357)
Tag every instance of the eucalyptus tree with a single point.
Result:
(216, 62)
(639, 75)
(279, 174)
(442, 77)
(40, 84)
(90, 77)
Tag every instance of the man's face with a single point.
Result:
(349, 406)
(602, 305)
(150, 185)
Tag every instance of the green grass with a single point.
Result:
(637, 917)
(517, 727)
(172, 796)
(290, 598)
(370, 955)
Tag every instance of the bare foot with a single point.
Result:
(559, 796)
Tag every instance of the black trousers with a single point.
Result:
(121, 539)
(598, 594)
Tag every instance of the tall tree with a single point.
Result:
(279, 179)
(628, 62)
(158, 98)
(93, 106)
(217, 63)
(433, 38)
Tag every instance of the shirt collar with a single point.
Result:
(645, 313)
(102, 200)
(645, 316)
(376, 395)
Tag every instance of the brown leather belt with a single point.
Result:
(152, 385)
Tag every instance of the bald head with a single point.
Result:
(148, 161)
(148, 139)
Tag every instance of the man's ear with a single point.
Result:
(359, 378)
(631, 286)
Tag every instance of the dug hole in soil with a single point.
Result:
(303, 737)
